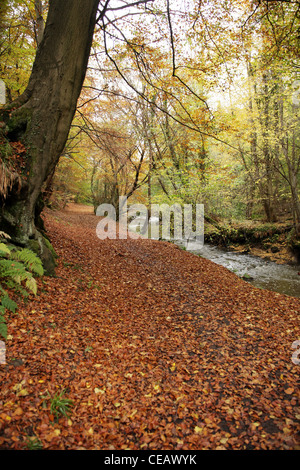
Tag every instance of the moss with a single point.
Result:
(34, 246)
(43, 248)
(264, 234)
(18, 123)
(5, 150)
(50, 247)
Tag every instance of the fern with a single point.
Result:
(8, 303)
(3, 327)
(30, 260)
(14, 270)
(4, 249)
(17, 270)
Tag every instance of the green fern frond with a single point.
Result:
(30, 259)
(17, 267)
(4, 249)
(9, 304)
(3, 328)
(18, 288)
(13, 270)
(32, 285)
(2, 291)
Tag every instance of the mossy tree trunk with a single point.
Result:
(42, 116)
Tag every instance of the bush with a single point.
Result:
(17, 270)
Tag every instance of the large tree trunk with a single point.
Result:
(42, 116)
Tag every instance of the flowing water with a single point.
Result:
(262, 273)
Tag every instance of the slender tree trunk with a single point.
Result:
(265, 123)
(291, 163)
(40, 25)
(42, 116)
(265, 184)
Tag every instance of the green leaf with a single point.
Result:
(13, 270)
(4, 249)
(3, 330)
(32, 285)
(30, 259)
(8, 303)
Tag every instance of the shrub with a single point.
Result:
(18, 266)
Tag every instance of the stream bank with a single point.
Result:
(262, 273)
(266, 255)
(270, 241)
(261, 254)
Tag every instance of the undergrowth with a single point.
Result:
(18, 269)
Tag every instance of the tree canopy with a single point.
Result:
(192, 101)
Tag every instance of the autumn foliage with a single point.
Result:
(152, 347)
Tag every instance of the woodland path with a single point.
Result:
(157, 348)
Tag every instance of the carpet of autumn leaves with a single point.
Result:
(156, 347)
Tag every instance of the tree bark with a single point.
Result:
(40, 26)
(42, 116)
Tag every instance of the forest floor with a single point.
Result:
(157, 349)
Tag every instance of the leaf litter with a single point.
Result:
(155, 348)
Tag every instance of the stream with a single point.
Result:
(282, 278)
(259, 272)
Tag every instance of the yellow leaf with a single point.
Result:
(18, 387)
(9, 403)
(52, 435)
(255, 425)
(223, 440)
(173, 367)
(134, 412)
(198, 430)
